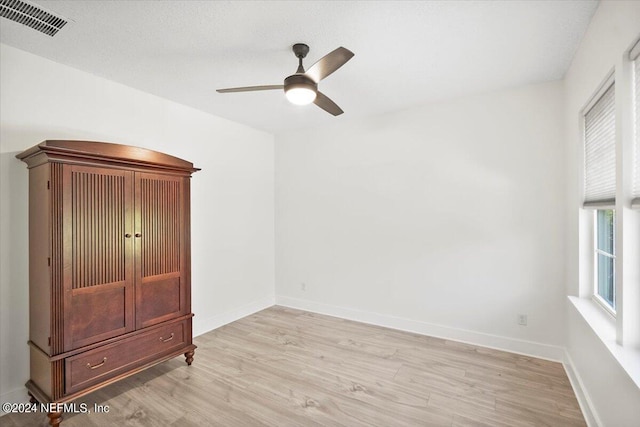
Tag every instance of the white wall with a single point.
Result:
(449, 214)
(614, 397)
(232, 197)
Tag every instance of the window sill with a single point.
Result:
(605, 328)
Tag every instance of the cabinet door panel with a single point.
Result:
(159, 245)
(98, 313)
(98, 255)
(165, 297)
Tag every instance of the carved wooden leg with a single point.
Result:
(189, 356)
(32, 399)
(55, 418)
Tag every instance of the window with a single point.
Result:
(609, 231)
(605, 289)
(600, 190)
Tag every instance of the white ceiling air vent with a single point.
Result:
(32, 16)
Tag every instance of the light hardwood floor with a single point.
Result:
(285, 367)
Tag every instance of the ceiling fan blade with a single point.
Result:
(250, 88)
(327, 104)
(329, 63)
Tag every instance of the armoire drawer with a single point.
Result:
(94, 366)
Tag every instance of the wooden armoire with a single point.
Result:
(109, 265)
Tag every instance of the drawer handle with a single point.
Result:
(104, 360)
(168, 339)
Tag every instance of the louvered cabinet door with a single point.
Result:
(162, 224)
(98, 270)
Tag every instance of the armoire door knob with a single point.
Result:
(138, 234)
(128, 235)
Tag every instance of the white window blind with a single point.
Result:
(636, 158)
(600, 151)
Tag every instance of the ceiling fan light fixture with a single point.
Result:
(300, 89)
(300, 95)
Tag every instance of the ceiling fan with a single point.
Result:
(301, 88)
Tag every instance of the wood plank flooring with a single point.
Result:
(285, 367)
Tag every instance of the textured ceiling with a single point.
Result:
(406, 53)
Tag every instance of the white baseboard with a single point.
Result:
(528, 348)
(201, 326)
(590, 415)
(15, 396)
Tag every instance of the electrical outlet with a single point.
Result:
(303, 286)
(522, 319)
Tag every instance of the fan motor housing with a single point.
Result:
(300, 81)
